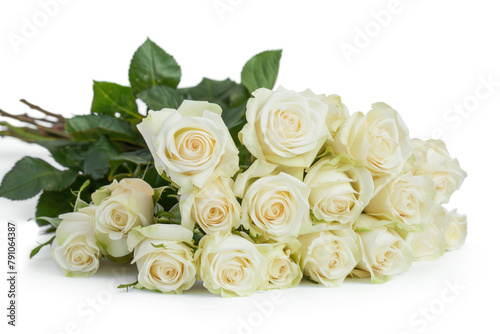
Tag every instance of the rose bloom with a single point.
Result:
(378, 140)
(283, 270)
(190, 144)
(285, 127)
(455, 229)
(432, 159)
(259, 169)
(163, 257)
(213, 208)
(406, 200)
(340, 190)
(276, 207)
(337, 113)
(121, 206)
(232, 265)
(385, 253)
(328, 256)
(430, 243)
(75, 247)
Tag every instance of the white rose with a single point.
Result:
(455, 229)
(259, 169)
(285, 127)
(337, 113)
(432, 159)
(283, 270)
(213, 208)
(232, 265)
(340, 190)
(75, 247)
(276, 207)
(379, 140)
(164, 260)
(430, 243)
(406, 200)
(328, 256)
(191, 144)
(385, 253)
(121, 206)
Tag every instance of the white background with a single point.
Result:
(428, 57)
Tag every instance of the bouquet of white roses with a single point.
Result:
(236, 185)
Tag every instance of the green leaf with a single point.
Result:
(111, 99)
(52, 204)
(79, 203)
(152, 177)
(159, 97)
(158, 192)
(211, 90)
(37, 249)
(31, 175)
(93, 127)
(139, 157)
(97, 162)
(261, 70)
(151, 66)
(172, 216)
(54, 222)
(233, 117)
(232, 98)
(238, 96)
(66, 152)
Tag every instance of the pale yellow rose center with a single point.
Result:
(381, 149)
(384, 260)
(166, 270)
(288, 124)
(118, 221)
(79, 256)
(280, 269)
(233, 271)
(193, 145)
(338, 206)
(211, 214)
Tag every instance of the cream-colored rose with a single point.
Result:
(340, 190)
(337, 113)
(121, 206)
(232, 265)
(378, 140)
(432, 159)
(164, 259)
(283, 270)
(75, 247)
(407, 200)
(259, 169)
(276, 207)
(430, 243)
(328, 256)
(385, 253)
(191, 144)
(285, 127)
(213, 208)
(455, 230)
